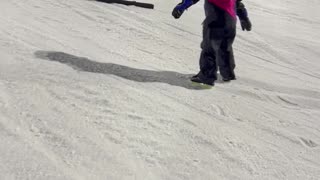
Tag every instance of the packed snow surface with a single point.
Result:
(91, 90)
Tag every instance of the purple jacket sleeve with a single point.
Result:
(241, 10)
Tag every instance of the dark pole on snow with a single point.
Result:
(129, 3)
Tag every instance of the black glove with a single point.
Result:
(181, 7)
(177, 12)
(246, 24)
(243, 16)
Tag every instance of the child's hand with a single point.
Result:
(181, 7)
(177, 12)
(246, 24)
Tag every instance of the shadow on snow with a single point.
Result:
(133, 74)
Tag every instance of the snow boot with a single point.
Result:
(197, 79)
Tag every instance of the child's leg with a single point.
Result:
(221, 41)
(226, 58)
(208, 65)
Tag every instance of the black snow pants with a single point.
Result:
(219, 31)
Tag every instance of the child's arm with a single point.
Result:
(243, 16)
(181, 7)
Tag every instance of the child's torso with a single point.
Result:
(226, 5)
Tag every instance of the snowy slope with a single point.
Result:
(99, 91)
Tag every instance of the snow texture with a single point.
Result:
(90, 90)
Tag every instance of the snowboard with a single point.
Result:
(197, 85)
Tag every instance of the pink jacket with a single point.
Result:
(226, 5)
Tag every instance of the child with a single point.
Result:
(219, 31)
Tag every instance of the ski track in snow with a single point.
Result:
(99, 91)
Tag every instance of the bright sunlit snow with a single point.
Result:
(95, 91)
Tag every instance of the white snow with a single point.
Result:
(91, 90)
